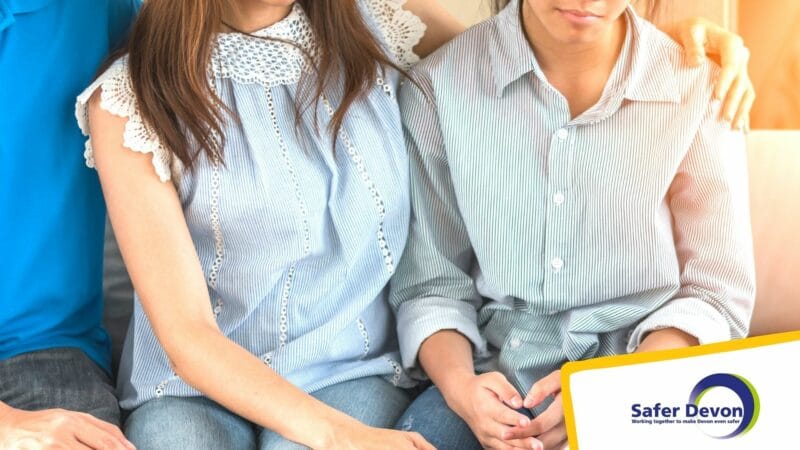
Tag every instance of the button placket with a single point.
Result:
(559, 173)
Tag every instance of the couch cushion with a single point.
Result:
(775, 208)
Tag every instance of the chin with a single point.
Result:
(573, 37)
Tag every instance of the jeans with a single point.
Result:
(430, 416)
(58, 378)
(198, 423)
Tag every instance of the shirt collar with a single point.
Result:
(511, 54)
(652, 78)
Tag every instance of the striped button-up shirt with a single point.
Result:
(544, 238)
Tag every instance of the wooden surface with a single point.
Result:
(775, 209)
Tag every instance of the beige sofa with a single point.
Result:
(775, 209)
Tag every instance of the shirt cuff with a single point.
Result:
(690, 315)
(419, 319)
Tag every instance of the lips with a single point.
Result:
(579, 13)
(579, 18)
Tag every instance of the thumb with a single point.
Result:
(499, 384)
(545, 387)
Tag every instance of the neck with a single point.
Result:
(253, 15)
(573, 59)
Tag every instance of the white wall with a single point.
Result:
(468, 11)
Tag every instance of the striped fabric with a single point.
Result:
(544, 238)
(297, 242)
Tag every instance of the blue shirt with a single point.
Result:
(53, 217)
(297, 242)
(545, 238)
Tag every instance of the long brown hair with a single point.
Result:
(169, 53)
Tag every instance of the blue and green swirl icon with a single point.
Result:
(751, 404)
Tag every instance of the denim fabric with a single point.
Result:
(58, 378)
(198, 423)
(430, 416)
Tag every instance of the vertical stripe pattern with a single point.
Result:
(545, 238)
(297, 241)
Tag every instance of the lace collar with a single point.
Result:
(261, 57)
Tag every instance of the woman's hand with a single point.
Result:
(548, 427)
(488, 404)
(57, 428)
(354, 435)
(702, 37)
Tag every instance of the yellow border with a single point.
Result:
(664, 355)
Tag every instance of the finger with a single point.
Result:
(499, 444)
(734, 57)
(551, 418)
(499, 385)
(420, 442)
(75, 445)
(95, 437)
(497, 430)
(501, 413)
(554, 439)
(549, 385)
(696, 43)
(527, 443)
(734, 99)
(740, 121)
(111, 429)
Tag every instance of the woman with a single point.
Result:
(260, 267)
(575, 194)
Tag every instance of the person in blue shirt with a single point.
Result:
(55, 386)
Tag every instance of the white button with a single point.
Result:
(552, 312)
(515, 343)
(557, 264)
(558, 198)
(562, 133)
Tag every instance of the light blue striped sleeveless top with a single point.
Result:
(297, 242)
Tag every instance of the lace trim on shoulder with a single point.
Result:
(117, 98)
(401, 28)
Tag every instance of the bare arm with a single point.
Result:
(441, 25)
(486, 402)
(446, 358)
(157, 248)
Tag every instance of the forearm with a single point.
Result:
(441, 26)
(231, 376)
(4, 411)
(446, 358)
(666, 339)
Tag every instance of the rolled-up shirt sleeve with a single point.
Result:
(710, 208)
(432, 289)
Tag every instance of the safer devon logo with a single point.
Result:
(722, 405)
